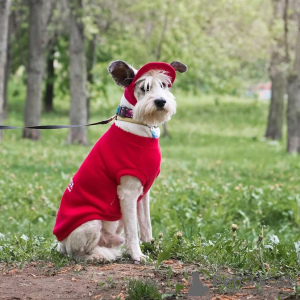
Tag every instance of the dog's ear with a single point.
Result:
(121, 72)
(178, 66)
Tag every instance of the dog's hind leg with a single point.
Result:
(83, 243)
(143, 213)
(128, 192)
(110, 237)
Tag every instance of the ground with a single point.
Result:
(37, 281)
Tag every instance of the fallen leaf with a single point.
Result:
(12, 272)
(121, 296)
(78, 268)
(185, 281)
(177, 267)
(168, 262)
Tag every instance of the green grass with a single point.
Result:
(139, 290)
(216, 170)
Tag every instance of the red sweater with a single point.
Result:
(92, 192)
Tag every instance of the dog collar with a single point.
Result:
(167, 68)
(125, 114)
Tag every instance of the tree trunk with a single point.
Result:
(7, 67)
(78, 110)
(91, 57)
(4, 17)
(40, 13)
(293, 114)
(277, 71)
(49, 93)
(276, 110)
(165, 131)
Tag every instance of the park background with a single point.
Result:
(229, 157)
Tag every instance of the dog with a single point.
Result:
(110, 191)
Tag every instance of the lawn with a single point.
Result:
(217, 170)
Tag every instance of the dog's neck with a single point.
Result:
(135, 128)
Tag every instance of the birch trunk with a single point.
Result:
(78, 110)
(4, 17)
(40, 14)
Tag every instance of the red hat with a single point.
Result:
(170, 71)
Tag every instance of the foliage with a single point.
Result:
(139, 290)
(25, 248)
(224, 43)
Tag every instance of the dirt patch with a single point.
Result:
(38, 281)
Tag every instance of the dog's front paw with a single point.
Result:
(146, 238)
(139, 257)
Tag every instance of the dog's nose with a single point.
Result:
(160, 103)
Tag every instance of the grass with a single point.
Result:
(139, 290)
(217, 170)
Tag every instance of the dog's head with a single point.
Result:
(147, 89)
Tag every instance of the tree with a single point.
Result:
(8, 66)
(78, 109)
(40, 16)
(277, 70)
(49, 93)
(4, 18)
(91, 58)
(293, 112)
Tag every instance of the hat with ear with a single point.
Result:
(167, 68)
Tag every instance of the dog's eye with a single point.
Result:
(147, 88)
(163, 85)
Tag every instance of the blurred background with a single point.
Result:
(236, 48)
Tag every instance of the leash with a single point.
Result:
(122, 111)
(4, 127)
(122, 114)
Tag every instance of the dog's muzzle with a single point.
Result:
(160, 103)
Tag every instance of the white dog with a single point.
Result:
(111, 188)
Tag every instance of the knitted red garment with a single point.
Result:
(170, 71)
(92, 193)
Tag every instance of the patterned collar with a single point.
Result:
(124, 112)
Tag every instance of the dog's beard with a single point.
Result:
(145, 111)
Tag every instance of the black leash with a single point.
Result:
(4, 127)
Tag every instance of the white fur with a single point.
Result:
(100, 239)
(145, 110)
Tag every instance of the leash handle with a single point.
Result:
(6, 127)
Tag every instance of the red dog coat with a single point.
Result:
(92, 193)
